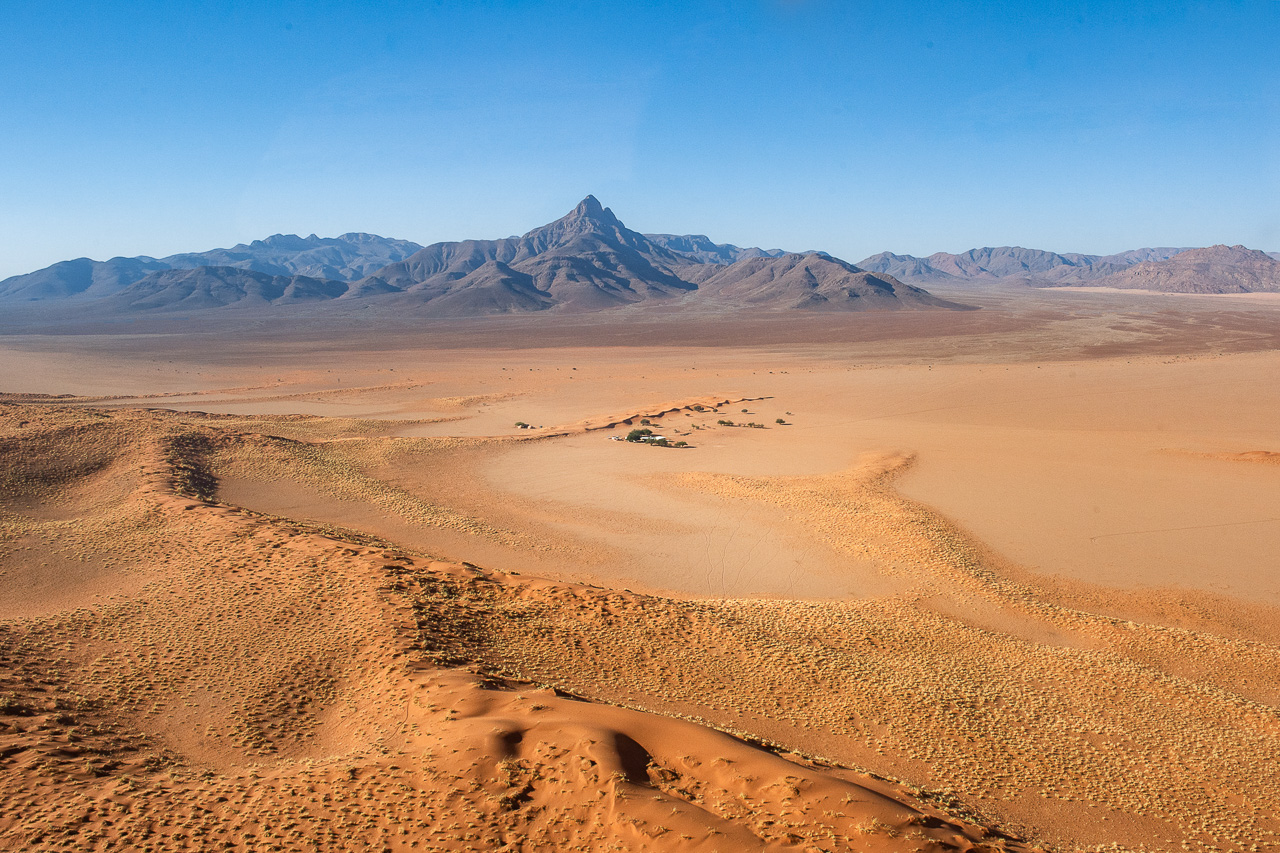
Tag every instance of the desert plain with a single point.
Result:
(1003, 579)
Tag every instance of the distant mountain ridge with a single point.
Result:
(344, 258)
(80, 278)
(217, 287)
(1035, 266)
(587, 260)
(1213, 269)
(1210, 270)
(701, 249)
(814, 282)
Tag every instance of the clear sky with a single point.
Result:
(853, 127)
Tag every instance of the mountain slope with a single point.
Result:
(1137, 256)
(81, 278)
(1215, 269)
(1004, 262)
(493, 288)
(813, 282)
(344, 258)
(1010, 263)
(903, 267)
(585, 260)
(217, 287)
(701, 250)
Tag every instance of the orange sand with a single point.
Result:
(1024, 566)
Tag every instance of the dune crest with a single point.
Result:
(282, 684)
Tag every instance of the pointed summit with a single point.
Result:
(589, 220)
(589, 206)
(589, 210)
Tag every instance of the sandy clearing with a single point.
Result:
(1062, 466)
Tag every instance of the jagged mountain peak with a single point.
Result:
(588, 227)
(590, 206)
(589, 216)
(283, 242)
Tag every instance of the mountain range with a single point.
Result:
(585, 261)
(1004, 263)
(589, 260)
(345, 258)
(1214, 269)
(1184, 270)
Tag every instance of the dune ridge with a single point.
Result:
(229, 675)
(266, 683)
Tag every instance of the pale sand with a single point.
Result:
(1006, 564)
(1085, 469)
(1262, 297)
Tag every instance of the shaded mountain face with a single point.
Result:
(1215, 269)
(1001, 262)
(1137, 256)
(345, 258)
(904, 267)
(813, 282)
(1010, 263)
(586, 260)
(494, 288)
(218, 287)
(81, 279)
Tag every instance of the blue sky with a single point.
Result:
(153, 128)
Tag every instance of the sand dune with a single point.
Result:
(1023, 566)
(266, 683)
